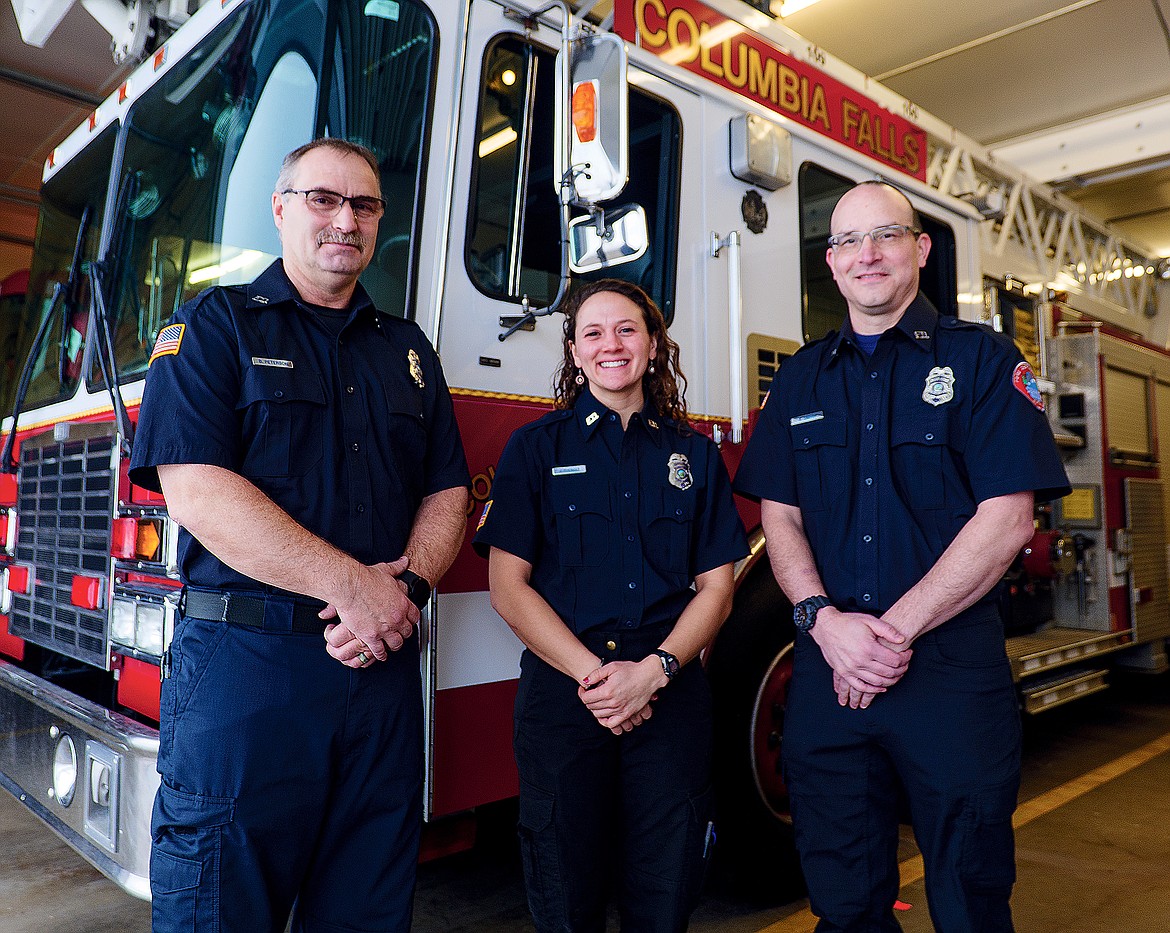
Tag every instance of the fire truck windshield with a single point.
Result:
(81, 183)
(203, 146)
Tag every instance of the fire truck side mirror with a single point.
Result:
(623, 237)
(597, 117)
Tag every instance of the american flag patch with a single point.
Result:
(168, 341)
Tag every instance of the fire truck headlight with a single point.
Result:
(122, 626)
(64, 771)
(150, 628)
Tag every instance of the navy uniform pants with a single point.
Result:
(599, 810)
(949, 732)
(290, 783)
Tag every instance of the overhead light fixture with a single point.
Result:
(784, 8)
(219, 269)
(490, 144)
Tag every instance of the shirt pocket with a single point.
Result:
(583, 515)
(283, 413)
(819, 454)
(918, 453)
(401, 437)
(670, 519)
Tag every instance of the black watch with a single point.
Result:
(804, 613)
(418, 591)
(670, 663)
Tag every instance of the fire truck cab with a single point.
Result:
(737, 149)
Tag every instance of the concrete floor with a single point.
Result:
(1093, 847)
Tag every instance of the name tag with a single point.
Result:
(805, 419)
(568, 470)
(265, 361)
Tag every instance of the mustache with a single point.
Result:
(345, 239)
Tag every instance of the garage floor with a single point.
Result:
(1093, 847)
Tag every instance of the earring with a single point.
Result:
(579, 378)
(651, 367)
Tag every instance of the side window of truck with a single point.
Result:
(824, 308)
(513, 229)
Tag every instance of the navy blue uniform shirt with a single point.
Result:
(346, 433)
(887, 456)
(615, 524)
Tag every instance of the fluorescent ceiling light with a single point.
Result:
(490, 144)
(788, 7)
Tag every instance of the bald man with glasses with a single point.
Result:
(897, 462)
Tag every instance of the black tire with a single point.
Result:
(749, 664)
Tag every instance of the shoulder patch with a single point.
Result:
(1025, 382)
(168, 342)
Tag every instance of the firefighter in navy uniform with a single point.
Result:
(306, 443)
(897, 462)
(602, 515)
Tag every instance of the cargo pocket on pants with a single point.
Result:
(700, 846)
(185, 860)
(989, 853)
(541, 860)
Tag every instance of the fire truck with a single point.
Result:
(696, 148)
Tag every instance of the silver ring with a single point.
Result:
(362, 657)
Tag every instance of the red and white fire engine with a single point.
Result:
(715, 167)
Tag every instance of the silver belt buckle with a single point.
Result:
(227, 599)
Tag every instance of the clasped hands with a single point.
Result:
(868, 655)
(618, 694)
(376, 618)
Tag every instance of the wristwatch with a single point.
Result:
(418, 591)
(804, 613)
(669, 663)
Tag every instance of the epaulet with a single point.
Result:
(957, 323)
(814, 344)
(986, 331)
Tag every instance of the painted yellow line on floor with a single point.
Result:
(911, 869)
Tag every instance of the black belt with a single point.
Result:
(274, 614)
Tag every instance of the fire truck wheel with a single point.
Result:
(750, 667)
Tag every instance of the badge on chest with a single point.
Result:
(940, 386)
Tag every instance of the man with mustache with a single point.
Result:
(897, 462)
(305, 441)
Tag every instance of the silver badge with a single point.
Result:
(593, 416)
(940, 386)
(680, 471)
(415, 369)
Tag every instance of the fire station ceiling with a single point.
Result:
(1074, 93)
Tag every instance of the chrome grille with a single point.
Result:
(65, 508)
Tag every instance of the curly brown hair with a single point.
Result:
(663, 388)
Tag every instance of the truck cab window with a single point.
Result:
(823, 307)
(513, 229)
(79, 184)
(204, 145)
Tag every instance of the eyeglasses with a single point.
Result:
(327, 203)
(889, 235)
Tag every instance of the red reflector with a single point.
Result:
(18, 579)
(7, 489)
(52, 158)
(87, 592)
(122, 92)
(124, 538)
(160, 58)
(93, 121)
(3, 528)
(138, 687)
